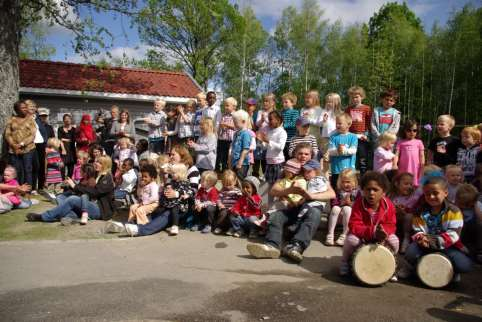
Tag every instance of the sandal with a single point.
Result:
(329, 240)
(341, 240)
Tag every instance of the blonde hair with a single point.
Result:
(106, 163)
(240, 115)
(161, 101)
(447, 117)
(209, 123)
(54, 143)
(269, 96)
(12, 169)
(229, 178)
(386, 137)
(83, 155)
(290, 96)
(30, 103)
(180, 170)
(314, 93)
(430, 168)
(124, 140)
(231, 101)
(161, 161)
(452, 167)
(473, 131)
(466, 195)
(345, 117)
(191, 103)
(354, 90)
(209, 177)
(200, 95)
(349, 174)
(336, 102)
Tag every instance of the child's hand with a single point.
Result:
(380, 234)
(341, 148)
(220, 205)
(325, 117)
(423, 242)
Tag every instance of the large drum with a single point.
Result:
(373, 264)
(435, 270)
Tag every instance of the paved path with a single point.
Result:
(205, 278)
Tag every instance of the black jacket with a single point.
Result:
(103, 192)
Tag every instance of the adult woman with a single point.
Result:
(160, 220)
(85, 134)
(100, 198)
(66, 134)
(123, 128)
(20, 134)
(40, 140)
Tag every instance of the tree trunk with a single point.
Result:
(9, 43)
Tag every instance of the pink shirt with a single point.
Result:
(14, 199)
(409, 158)
(383, 160)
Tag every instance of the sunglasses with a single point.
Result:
(412, 130)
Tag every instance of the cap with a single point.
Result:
(293, 166)
(312, 165)
(43, 111)
(302, 121)
(251, 101)
(253, 181)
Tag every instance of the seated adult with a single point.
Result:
(306, 225)
(97, 205)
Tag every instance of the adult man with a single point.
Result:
(108, 140)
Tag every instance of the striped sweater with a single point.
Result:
(310, 139)
(445, 226)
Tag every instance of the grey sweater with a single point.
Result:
(206, 152)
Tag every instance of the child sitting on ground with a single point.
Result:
(148, 196)
(128, 179)
(82, 158)
(467, 201)
(123, 150)
(437, 228)
(291, 172)
(346, 192)
(162, 164)
(8, 199)
(384, 159)
(205, 202)
(373, 219)
(405, 199)
(455, 177)
(246, 210)
(229, 194)
(468, 155)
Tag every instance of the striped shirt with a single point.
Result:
(290, 115)
(229, 197)
(310, 139)
(226, 134)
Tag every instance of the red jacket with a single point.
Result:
(207, 197)
(247, 206)
(363, 226)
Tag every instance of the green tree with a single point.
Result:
(33, 45)
(193, 31)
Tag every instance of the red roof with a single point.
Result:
(68, 76)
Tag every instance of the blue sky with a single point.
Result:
(126, 39)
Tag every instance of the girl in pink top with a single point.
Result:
(384, 159)
(9, 178)
(410, 151)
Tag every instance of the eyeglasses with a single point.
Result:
(412, 130)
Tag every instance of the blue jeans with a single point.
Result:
(243, 223)
(460, 261)
(24, 204)
(71, 207)
(159, 221)
(24, 165)
(119, 194)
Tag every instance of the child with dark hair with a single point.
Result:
(410, 151)
(127, 180)
(437, 228)
(142, 149)
(386, 118)
(373, 219)
(466, 199)
(148, 196)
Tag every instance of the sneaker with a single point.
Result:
(114, 227)
(195, 228)
(394, 278)
(263, 250)
(174, 230)
(168, 229)
(238, 234)
(132, 230)
(294, 252)
(329, 241)
(34, 192)
(206, 229)
(218, 231)
(50, 196)
(34, 202)
(84, 218)
(344, 269)
(34, 217)
(67, 221)
(341, 240)
(404, 246)
(230, 232)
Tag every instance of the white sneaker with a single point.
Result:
(34, 202)
(114, 227)
(394, 278)
(263, 251)
(174, 231)
(84, 218)
(456, 278)
(132, 229)
(168, 229)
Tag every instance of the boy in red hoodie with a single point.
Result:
(373, 219)
(247, 209)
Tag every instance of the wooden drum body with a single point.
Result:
(373, 264)
(435, 270)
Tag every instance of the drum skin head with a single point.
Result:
(373, 264)
(435, 270)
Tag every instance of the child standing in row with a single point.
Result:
(312, 112)
(328, 123)
(54, 166)
(384, 159)
(442, 150)
(303, 136)
(225, 134)
(206, 146)
(262, 125)
(156, 123)
(469, 154)
(346, 192)
(386, 118)
(410, 151)
(361, 116)
(290, 116)
(342, 147)
(238, 158)
(148, 196)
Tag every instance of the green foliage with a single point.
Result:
(33, 46)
